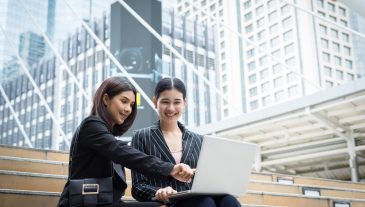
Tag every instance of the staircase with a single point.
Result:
(31, 177)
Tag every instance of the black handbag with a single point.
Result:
(89, 192)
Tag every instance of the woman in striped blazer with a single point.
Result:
(170, 141)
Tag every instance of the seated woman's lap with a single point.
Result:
(209, 201)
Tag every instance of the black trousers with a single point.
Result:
(137, 204)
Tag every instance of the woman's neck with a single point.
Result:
(169, 127)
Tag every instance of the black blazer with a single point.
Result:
(151, 141)
(97, 149)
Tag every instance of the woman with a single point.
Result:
(169, 140)
(98, 154)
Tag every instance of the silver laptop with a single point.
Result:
(224, 167)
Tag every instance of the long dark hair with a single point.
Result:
(113, 86)
(168, 84)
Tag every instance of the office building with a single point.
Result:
(322, 52)
(89, 63)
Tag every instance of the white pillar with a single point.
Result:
(352, 156)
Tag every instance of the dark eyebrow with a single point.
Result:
(126, 97)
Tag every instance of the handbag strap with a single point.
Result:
(73, 151)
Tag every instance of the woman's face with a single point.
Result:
(120, 106)
(170, 105)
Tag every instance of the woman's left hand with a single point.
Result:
(162, 194)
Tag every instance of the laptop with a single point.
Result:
(224, 167)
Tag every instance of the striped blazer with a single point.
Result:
(151, 141)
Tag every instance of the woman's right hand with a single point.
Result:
(182, 172)
(162, 194)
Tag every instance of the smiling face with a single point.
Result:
(170, 105)
(120, 106)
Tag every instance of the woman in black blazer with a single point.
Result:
(98, 152)
(170, 141)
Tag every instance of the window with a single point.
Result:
(293, 91)
(287, 22)
(329, 84)
(222, 44)
(290, 77)
(347, 50)
(264, 74)
(323, 29)
(253, 92)
(248, 28)
(345, 37)
(348, 64)
(324, 43)
(342, 11)
(201, 59)
(223, 55)
(285, 9)
(350, 76)
(263, 60)
(326, 57)
(331, 7)
(261, 35)
(225, 89)
(251, 66)
(276, 53)
(321, 13)
(320, 3)
(327, 71)
(278, 82)
(288, 35)
(336, 47)
(279, 96)
(250, 52)
(334, 33)
(224, 78)
(274, 28)
(252, 78)
(271, 3)
(263, 45)
(259, 10)
(266, 100)
(253, 105)
(273, 16)
(276, 69)
(265, 87)
(290, 62)
(332, 18)
(274, 42)
(223, 67)
(339, 74)
(248, 16)
(260, 22)
(338, 61)
(343, 22)
(247, 4)
(289, 49)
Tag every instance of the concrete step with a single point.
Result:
(307, 180)
(33, 165)
(31, 181)
(291, 200)
(41, 154)
(17, 198)
(55, 183)
(273, 187)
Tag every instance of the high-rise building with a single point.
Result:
(16, 22)
(31, 47)
(322, 52)
(229, 49)
(357, 22)
(89, 63)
